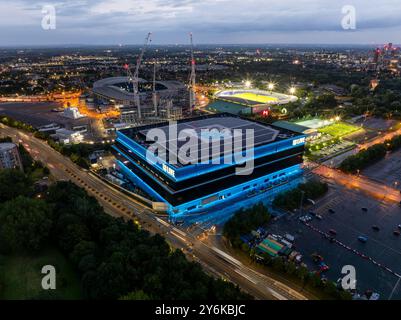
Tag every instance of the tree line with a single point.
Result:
(369, 156)
(114, 258)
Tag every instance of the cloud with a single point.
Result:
(97, 21)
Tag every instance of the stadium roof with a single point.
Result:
(109, 87)
(263, 133)
(292, 126)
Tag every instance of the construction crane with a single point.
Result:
(134, 78)
(154, 95)
(192, 80)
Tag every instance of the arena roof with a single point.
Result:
(263, 134)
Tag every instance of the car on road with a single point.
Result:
(399, 226)
(376, 228)
(331, 211)
(333, 232)
(397, 233)
(365, 209)
(319, 217)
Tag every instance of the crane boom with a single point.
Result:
(135, 78)
(192, 84)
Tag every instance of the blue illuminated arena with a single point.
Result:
(194, 189)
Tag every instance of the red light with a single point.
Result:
(265, 113)
(126, 66)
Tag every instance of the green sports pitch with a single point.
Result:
(339, 129)
(259, 98)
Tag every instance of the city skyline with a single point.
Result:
(214, 22)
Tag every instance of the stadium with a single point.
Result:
(120, 90)
(196, 188)
(249, 101)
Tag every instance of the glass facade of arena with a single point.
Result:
(192, 188)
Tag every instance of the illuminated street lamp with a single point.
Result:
(271, 86)
(248, 84)
(292, 90)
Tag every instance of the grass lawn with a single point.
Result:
(339, 129)
(21, 277)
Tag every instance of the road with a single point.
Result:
(373, 188)
(119, 204)
(379, 139)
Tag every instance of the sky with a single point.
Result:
(112, 22)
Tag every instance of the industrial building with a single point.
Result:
(193, 188)
(9, 156)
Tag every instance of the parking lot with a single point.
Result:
(377, 262)
(387, 171)
(38, 114)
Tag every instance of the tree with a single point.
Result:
(14, 183)
(24, 223)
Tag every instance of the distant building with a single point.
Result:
(9, 156)
(68, 137)
(311, 133)
(72, 113)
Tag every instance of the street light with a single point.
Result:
(248, 84)
(271, 86)
(292, 90)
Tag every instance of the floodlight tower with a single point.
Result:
(192, 81)
(135, 78)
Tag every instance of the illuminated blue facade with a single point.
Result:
(194, 189)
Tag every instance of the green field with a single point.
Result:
(339, 129)
(20, 277)
(255, 97)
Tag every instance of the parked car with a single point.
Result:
(363, 239)
(333, 232)
(376, 228)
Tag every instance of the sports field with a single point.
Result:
(339, 129)
(255, 97)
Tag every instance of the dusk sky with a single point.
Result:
(211, 21)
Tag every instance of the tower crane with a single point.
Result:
(154, 94)
(134, 78)
(192, 81)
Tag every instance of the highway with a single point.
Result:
(372, 188)
(118, 204)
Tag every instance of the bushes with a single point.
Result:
(244, 221)
(16, 124)
(291, 200)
